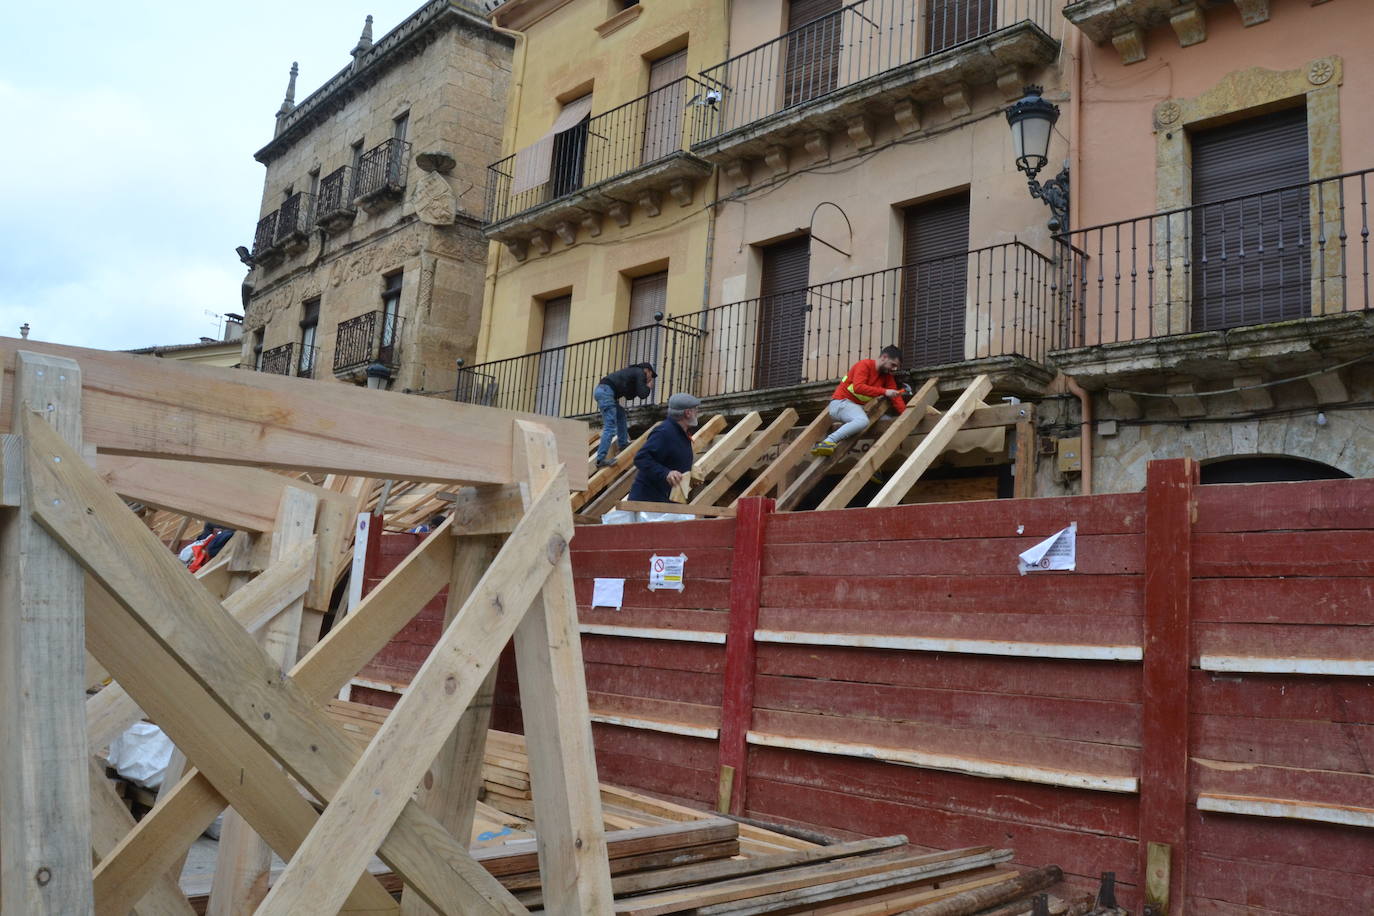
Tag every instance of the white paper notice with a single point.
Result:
(666, 572)
(608, 593)
(1058, 551)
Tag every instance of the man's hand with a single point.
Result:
(674, 478)
(892, 393)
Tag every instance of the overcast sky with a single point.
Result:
(127, 174)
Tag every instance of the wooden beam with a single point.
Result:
(558, 729)
(636, 505)
(608, 497)
(166, 408)
(924, 455)
(795, 452)
(886, 446)
(486, 510)
(45, 831)
(737, 704)
(819, 467)
(110, 822)
(1027, 452)
(706, 433)
(745, 459)
(604, 476)
(725, 446)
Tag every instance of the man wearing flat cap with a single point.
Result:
(667, 454)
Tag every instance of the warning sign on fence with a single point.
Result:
(666, 572)
(1058, 551)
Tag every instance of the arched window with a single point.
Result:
(1251, 469)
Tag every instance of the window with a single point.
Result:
(289, 190)
(811, 68)
(357, 148)
(257, 349)
(664, 107)
(934, 280)
(314, 182)
(391, 308)
(782, 313)
(548, 395)
(310, 320)
(400, 125)
(648, 298)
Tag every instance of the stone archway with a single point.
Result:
(1267, 469)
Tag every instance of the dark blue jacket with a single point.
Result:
(628, 383)
(668, 448)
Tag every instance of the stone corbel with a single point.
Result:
(1253, 12)
(620, 212)
(591, 221)
(520, 248)
(818, 144)
(1185, 399)
(737, 170)
(907, 114)
(1125, 405)
(1130, 44)
(959, 100)
(542, 241)
(1253, 397)
(775, 157)
(1189, 25)
(860, 130)
(1329, 387)
(1012, 83)
(567, 231)
(649, 202)
(681, 189)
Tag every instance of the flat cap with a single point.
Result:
(683, 401)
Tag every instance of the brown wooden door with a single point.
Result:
(811, 49)
(935, 281)
(548, 393)
(1252, 241)
(663, 107)
(782, 313)
(952, 22)
(648, 297)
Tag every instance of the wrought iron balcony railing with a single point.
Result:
(335, 202)
(277, 360)
(295, 217)
(855, 43)
(1292, 252)
(264, 237)
(305, 365)
(559, 381)
(994, 301)
(373, 337)
(382, 169)
(639, 133)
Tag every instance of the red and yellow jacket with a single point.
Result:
(864, 383)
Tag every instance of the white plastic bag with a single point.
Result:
(141, 754)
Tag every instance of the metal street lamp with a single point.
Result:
(1032, 119)
(378, 377)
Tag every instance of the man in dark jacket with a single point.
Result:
(667, 455)
(631, 382)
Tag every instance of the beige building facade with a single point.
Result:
(368, 250)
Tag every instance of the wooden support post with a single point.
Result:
(1023, 484)
(713, 491)
(796, 451)
(110, 823)
(724, 447)
(887, 444)
(737, 705)
(819, 467)
(243, 862)
(1170, 507)
(924, 455)
(45, 832)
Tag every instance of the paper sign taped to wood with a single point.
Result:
(666, 572)
(1058, 551)
(608, 593)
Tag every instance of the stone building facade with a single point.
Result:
(368, 251)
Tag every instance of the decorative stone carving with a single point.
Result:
(681, 189)
(818, 144)
(541, 241)
(566, 230)
(1320, 71)
(860, 131)
(1125, 405)
(620, 212)
(1012, 83)
(1130, 44)
(958, 100)
(519, 248)
(591, 221)
(737, 170)
(1167, 113)
(1329, 387)
(775, 157)
(1251, 395)
(436, 161)
(1253, 12)
(433, 199)
(649, 201)
(1185, 399)
(1190, 25)
(907, 114)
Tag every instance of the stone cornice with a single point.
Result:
(405, 41)
(519, 15)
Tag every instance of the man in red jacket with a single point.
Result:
(867, 379)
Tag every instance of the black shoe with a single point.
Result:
(605, 463)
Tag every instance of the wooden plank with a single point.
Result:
(886, 446)
(812, 474)
(796, 451)
(1027, 455)
(605, 476)
(110, 822)
(174, 409)
(1002, 647)
(706, 433)
(924, 455)
(710, 494)
(375, 792)
(243, 860)
(165, 600)
(700, 511)
(737, 704)
(726, 446)
(45, 792)
(1165, 677)
(553, 704)
(607, 499)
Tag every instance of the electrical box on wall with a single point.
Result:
(1071, 454)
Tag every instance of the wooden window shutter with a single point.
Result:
(781, 332)
(935, 281)
(812, 50)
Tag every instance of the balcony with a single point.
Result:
(265, 248)
(373, 337)
(381, 177)
(277, 361)
(1125, 22)
(1273, 283)
(990, 311)
(309, 358)
(833, 74)
(294, 220)
(632, 154)
(334, 210)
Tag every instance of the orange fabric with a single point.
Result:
(864, 382)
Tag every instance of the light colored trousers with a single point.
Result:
(853, 417)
